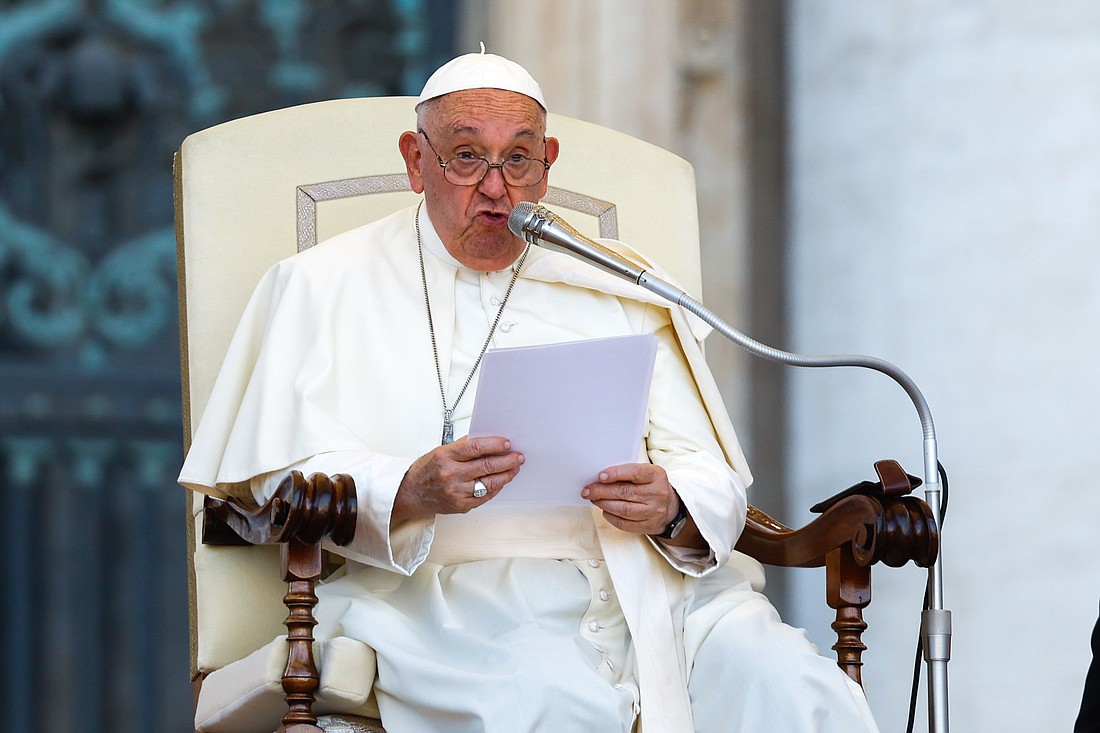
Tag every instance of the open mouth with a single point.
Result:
(492, 217)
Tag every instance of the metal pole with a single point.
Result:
(935, 621)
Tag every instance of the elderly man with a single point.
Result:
(580, 618)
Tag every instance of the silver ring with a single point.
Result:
(480, 489)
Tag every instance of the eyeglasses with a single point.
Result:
(467, 169)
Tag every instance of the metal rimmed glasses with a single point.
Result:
(467, 169)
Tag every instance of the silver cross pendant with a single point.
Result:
(448, 427)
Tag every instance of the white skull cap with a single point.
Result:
(481, 71)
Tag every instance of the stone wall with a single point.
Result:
(945, 183)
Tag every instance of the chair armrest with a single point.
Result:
(879, 524)
(299, 515)
(304, 509)
(860, 526)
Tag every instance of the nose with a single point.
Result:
(492, 185)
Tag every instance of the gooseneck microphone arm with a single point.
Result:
(540, 226)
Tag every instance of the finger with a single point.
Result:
(627, 525)
(468, 449)
(462, 496)
(496, 463)
(605, 492)
(500, 479)
(621, 491)
(635, 473)
(627, 510)
(493, 482)
(445, 466)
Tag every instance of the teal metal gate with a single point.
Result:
(94, 99)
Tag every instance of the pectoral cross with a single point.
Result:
(448, 427)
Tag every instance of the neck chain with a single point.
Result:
(448, 411)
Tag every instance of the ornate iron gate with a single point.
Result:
(94, 98)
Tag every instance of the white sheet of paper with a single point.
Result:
(572, 409)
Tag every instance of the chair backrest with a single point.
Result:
(256, 190)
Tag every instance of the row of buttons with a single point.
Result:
(495, 301)
(604, 619)
(595, 626)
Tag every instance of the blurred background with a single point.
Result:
(913, 179)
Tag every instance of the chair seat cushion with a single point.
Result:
(247, 696)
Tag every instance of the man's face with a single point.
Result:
(494, 124)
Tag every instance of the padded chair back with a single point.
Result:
(257, 190)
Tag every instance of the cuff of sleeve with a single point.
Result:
(715, 498)
(688, 560)
(401, 550)
(376, 478)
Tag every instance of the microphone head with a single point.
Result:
(520, 218)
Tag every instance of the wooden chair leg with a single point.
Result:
(848, 591)
(301, 679)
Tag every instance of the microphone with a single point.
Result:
(538, 225)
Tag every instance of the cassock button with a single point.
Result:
(507, 327)
(494, 300)
(593, 626)
(604, 595)
(594, 563)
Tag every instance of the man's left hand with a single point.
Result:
(637, 497)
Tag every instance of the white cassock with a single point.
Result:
(494, 620)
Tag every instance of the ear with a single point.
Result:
(552, 150)
(409, 145)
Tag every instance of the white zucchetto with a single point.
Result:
(481, 71)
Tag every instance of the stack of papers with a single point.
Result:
(573, 409)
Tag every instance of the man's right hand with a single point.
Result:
(442, 480)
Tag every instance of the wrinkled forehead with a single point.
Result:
(479, 111)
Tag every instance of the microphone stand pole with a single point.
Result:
(935, 620)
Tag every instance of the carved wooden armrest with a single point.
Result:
(299, 515)
(863, 525)
(308, 510)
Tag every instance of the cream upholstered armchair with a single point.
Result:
(256, 190)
